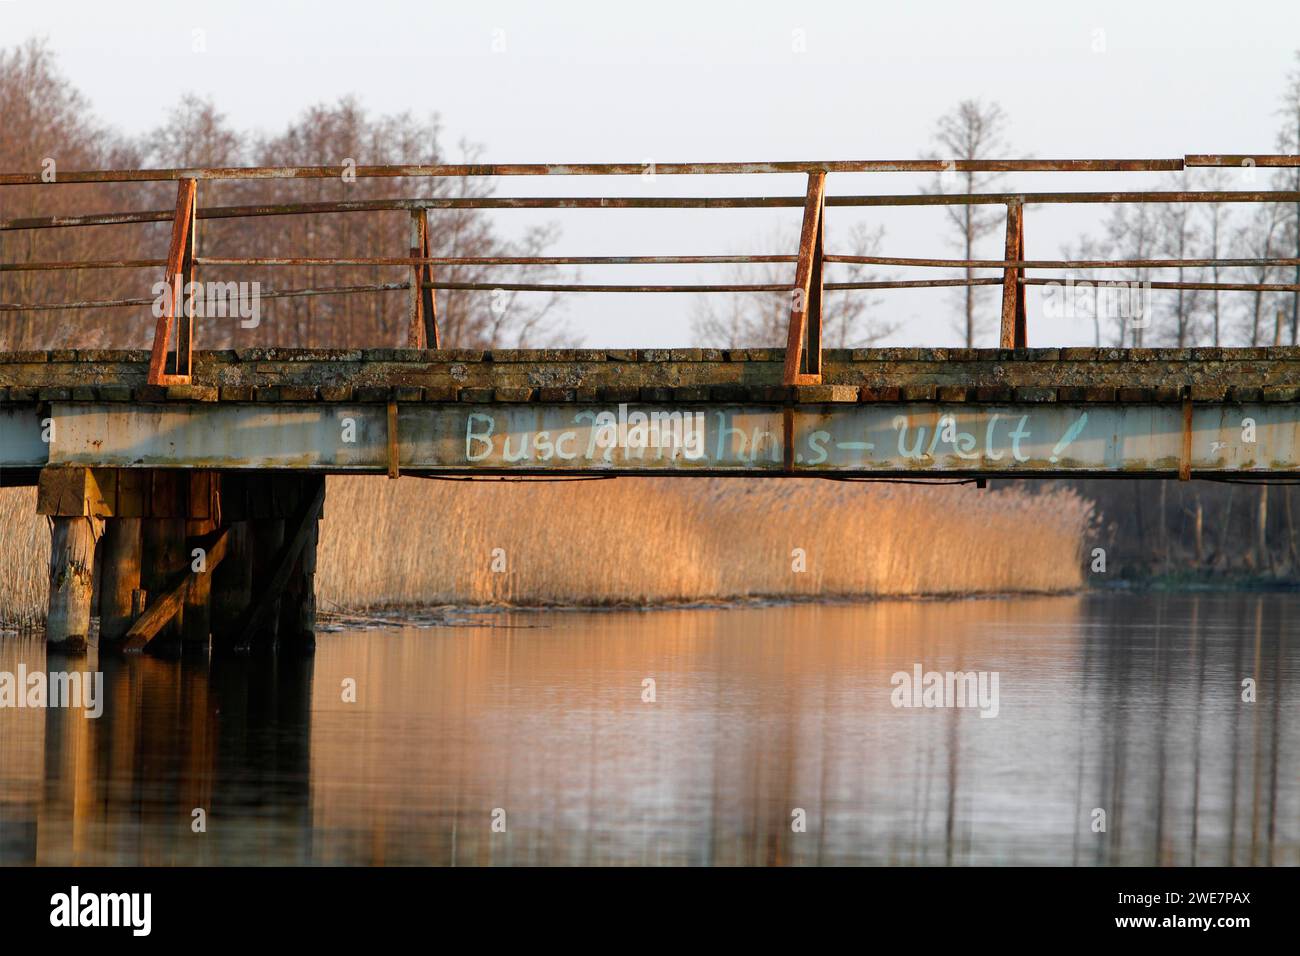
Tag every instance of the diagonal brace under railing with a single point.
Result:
(803, 348)
(178, 308)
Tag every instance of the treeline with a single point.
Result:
(48, 124)
(1207, 530)
(1181, 318)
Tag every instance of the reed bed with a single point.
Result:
(638, 541)
(661, 541)
(24, 559)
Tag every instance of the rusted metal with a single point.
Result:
(645, 202)
(493, 260)
(393, 442)
(805, 308)
(804, 335)
(179, 259)
(268, 294)
(415, 336)
(901, 438)
(1185, 457)
(1058, 263)
(82, 264)
(1242, 159)
(595, 169)
(1013, 332)
(1203, 286)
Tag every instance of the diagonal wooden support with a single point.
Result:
(162, 609)
(1014, 334)
(803, 345)
(178, 311)
(423, 330)
(301, 526)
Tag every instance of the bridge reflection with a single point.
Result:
(1127, 704)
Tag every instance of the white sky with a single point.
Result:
(700, 81)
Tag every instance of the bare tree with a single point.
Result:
(1090, 249)
(45, 117)
(1288, 141)
(1178, 238)
(1216, 218)
(972, 130)
(1132, 232)
(1260, 238)
(761, 319)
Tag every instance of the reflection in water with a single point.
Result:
(1128, 704)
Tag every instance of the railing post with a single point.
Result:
(805, 335)
(1014, 334)
(422, 332)
(178, 310)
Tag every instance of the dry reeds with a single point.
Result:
(638, 541)
(665, 540)
(24, 559)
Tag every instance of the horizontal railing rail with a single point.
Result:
(171, 360)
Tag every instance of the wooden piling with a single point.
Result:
(165, 561)
(298, 603)
(196, 624)
(267, 542)
(119, 577)
(72, 580)
(232, 587)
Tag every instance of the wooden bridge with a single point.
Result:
(197, 476)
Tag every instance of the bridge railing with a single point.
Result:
(172, 353)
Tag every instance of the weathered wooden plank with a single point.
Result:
(72, 575)
(162, 611)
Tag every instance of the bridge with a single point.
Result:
(196, 477)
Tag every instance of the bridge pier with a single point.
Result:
(188, 557)
(119, 579)
(72, 575)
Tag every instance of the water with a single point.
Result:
(1126, 703)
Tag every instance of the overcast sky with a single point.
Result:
(701, 81)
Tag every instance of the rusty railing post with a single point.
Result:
(423, 330)
(178, 311)
(805, 336)
(1014, 332)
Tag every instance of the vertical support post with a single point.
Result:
(179, 271)
(203, 518)
(72, 579)
(1014, 332)
(164, 562)
(119, 578)
(813, 345)
(164, 557)
(185, 319)
(394, 446)
(805, 309)
(232, 587)
(267, 543)
(423, 330)
(298, 600)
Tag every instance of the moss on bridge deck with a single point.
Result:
(663, 375)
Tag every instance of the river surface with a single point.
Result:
(756, 735)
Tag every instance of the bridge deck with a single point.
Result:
(700, 411)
